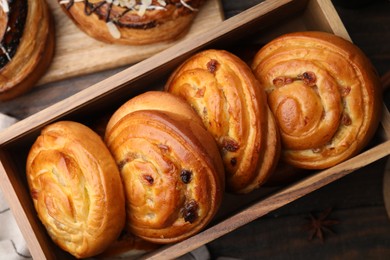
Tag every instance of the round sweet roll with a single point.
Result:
(171, 170)
(132, 22)
(76, 188)
(223, 91)
(324, 94)
(27, 42)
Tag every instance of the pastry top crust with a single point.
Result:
(170, 104)
(324, 93)
(35, 47)
(133, 22)
(171, 169)
(226, 95)
(154, 100)
(76, 188)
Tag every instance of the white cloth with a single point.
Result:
(12, 244)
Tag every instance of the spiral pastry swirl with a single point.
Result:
(170, 169)
(225, 94)
(76, 188)
(325, 96)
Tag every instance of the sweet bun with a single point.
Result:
(171, 170)
(27, 45)
(132, 22)
(324, 94)
(76, 188)
(226, 95)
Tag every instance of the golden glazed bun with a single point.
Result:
(76, 188)
(133, 22)
(170, 166)
(325, 96)
(226, 95)
(27, 45)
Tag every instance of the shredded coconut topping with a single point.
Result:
(64, 2)
(5, 6)
(184, 3)
(161, 2)
(5, 52)
(115, 33)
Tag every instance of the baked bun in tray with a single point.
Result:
(76, 188)
(132, 22)
(26, 47)
(324, 94)
(170, 167)
(223, 91)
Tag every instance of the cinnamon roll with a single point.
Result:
(76, 188)
(324, 93)
(226, 95)
(171, 170)
(132, 22)
(26, 47)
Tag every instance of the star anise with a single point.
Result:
(320, 224)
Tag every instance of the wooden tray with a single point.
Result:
(78, 54)
(258, 24)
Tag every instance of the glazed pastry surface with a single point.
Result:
(171, 170)
(76, 188)
(155, 100)
(27, 45)
(225, 94)
(133, 22)
(325, 96)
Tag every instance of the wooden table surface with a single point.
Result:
(357, 200)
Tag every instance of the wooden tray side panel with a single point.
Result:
(22, 208)
(321, 15)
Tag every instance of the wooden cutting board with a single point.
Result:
(78, 54)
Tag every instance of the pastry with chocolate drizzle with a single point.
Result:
(132, 22)
(26, 45)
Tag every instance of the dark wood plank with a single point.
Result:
(359, 235)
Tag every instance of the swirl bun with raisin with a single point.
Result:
(170, 166)
(226, 95)
(324, 93)
(132, 22)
